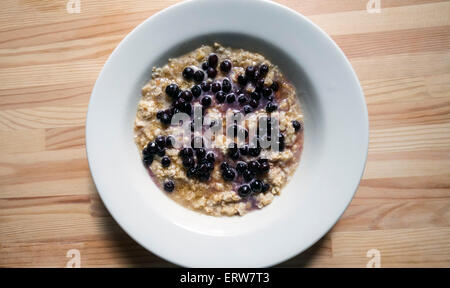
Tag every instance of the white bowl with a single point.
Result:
(332, 163)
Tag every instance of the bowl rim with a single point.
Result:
(137, 30)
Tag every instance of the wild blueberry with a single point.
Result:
(188, 162)
(160, 141)
(205, 65)
(265, 187)
(186, 95)
(226, 85)
(244, 191)
(169, 185)
(254, 151)
(147, 160)
(213, 60)
(170, 140)
(254, 103)
(270, 107)
(263, 69)
(196, 90)
(247, 109)
(188, 73)
(244, 150)
(166, 118)
(199, 75)
(242, 99)
(165, 161)
(254, 165)
(220, 97)
(248, 175)
(215, 87)
(297, 126)
(255, 95)
(172, 90)
(228, 174)
(241, 167)
(191, 172)
(206, 101)
(275, 86)
(206, 86)
(186, 152)
(256, 185)
(266, 91)
(224, 166)
(212, 73)
(242, 80)
(231, 98)
(210, 157)
(225, 66)
(250, 72)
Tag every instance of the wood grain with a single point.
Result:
(49, 61)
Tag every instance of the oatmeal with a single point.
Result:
(220, 130)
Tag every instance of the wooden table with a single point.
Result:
(50, 59)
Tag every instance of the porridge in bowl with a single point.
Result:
(220, 130)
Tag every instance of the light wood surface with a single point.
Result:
(50, 59)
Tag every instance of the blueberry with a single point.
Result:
(228, 174)
(209, 166)
(254, 151)
(206, 86)
(188, 162)
(188, 73)
(256, 185)
(172, 90)
(170, 141)
(265, 187)
(205, 65)
(254, 165)
(216, 87)
(212, 73)
(254, 103)
(213, 60)
(270, 107)
(248, 175)
(200, 153)
(210, 157)
(270, 98)
(263, 69)
(247, 109)
(224, 166)
(220, 97)
(151, 148)
(250, 72)
(191, 172)
(186, 152)
(206, 101)
(226, 85)
(266, 91)
(241, 167)
(242, 99)
(244, 150)
(169, 185)
(255, 95)
(231, 98)
(225, 66)
(196, 90)
(256, 75)
(244, 191)
(166, 118)
(297, 126)
(186, 95)
(165, 161)
(160, 141)
(242, 80)
(147, 160)
(199, 75)
(160, 151)
(275, 86)
(265, 167)
(234, 155)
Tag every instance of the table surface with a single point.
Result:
(50, 59)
